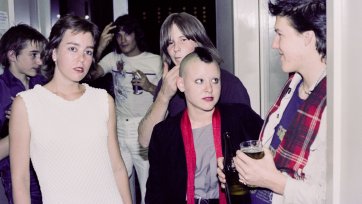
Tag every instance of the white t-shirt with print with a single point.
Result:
(128, 104)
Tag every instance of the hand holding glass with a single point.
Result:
(254, 149)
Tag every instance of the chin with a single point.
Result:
(208, 109)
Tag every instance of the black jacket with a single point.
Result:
(167, 179)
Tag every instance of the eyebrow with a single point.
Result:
(77, 44)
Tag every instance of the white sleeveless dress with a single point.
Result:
(68, 147)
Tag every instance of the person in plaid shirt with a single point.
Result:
(294, 134)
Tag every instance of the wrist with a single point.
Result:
(162, 98)
(277, 182)
(150, 88)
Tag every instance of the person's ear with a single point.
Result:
(54, 55)
(11, 55)
(309, 37)
(180, 84)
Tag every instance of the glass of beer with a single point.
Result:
(254, 149)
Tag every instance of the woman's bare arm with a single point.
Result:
(118, 166)
(19, 152)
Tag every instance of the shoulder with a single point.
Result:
(235, 109)
(31, 92)
(170, 123)
(166, 135)
(167, 129)
(94, 90)
(99, 93)
(18, 103)
(3, 86)
(151, 55)
(152, 59)
(226, 75)
(109, 58)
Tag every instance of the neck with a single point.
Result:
(200, 118)
(133, 53)
(311, 80)
(22, 77)
(58, 86)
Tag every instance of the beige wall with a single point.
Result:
(345, 99)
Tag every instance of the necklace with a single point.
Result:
(309, 92)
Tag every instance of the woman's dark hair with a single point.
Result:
(129, 24)
(192, 28)
(304, 15)
(16, 39)
(69, 22)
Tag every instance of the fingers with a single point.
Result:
(222, 185)
(108, 28)
(106, 35)
(221, 176)
(7, 114)
(165, 69)
(220, 162)
(220, 173)
(140, 73)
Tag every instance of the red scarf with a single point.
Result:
(191, 154)
(292, 154)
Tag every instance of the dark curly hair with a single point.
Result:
(304, 15)
(129, 24)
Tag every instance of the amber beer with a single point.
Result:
(252, 148)
(254, 152)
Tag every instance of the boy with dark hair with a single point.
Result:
(135, 73)
(20, 49)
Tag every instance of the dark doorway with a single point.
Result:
(99, 12)
(152, 14)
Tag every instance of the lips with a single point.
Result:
(178, 59)
(79, 69)
(210, 98)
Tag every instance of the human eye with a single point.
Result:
(72, 49)
(89, 52)
(199, 81)
(184, 39)
(215, 80)
(33, 55)
(170, 42)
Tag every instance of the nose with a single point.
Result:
(81, 57)
(122, 38)
(275, 44)
(39, 61)
(176, 47)
(208, 87)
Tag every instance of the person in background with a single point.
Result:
(135, 73)
(20, 49)
(68, 129)
(184, 148)
(293, 169)
(180, 34)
